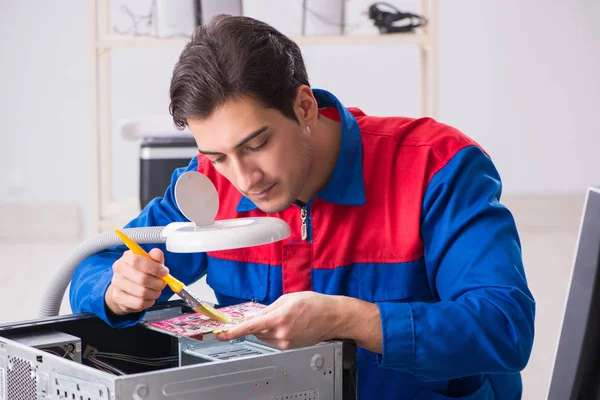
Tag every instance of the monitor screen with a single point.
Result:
(576, 373)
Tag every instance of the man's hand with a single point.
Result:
(136, 283)
(307, 318)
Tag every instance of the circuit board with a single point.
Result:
(200, 327)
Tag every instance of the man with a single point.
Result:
(398, 242)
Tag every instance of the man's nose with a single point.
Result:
(247, 176)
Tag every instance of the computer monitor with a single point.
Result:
(576, 373)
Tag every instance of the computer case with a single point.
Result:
(188, 369)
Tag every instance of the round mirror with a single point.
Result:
(197, 198)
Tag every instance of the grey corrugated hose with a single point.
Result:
(55, 291)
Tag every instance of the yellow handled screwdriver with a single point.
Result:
(178, 287)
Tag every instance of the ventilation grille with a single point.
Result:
(20, 380)
(234, 352)
(228, 351)
(312, 394)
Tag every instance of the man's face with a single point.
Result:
(265, 155)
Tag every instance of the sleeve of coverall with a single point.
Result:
(483, 321)
(94, 274)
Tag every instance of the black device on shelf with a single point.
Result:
(159, 157)
(394, 21)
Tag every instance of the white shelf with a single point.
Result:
(364, 38)
(371, 38)
(127, 42)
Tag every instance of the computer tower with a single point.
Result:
(144, 364)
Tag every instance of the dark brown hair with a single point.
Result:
(233, 57)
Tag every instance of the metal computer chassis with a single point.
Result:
(243, 369)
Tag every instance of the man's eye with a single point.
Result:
(260, 146)
(218, 160)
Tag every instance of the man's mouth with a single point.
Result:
(262, 194)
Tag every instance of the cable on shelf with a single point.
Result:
(389, 21)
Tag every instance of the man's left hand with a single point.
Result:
(295, 320)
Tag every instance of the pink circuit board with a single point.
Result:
(198, 326)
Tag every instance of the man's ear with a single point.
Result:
(306, 107)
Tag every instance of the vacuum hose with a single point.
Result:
(55, 291)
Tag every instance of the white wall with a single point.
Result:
(522, 78)
(519, 77)
(44, 108)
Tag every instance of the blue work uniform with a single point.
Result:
(410, 220)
